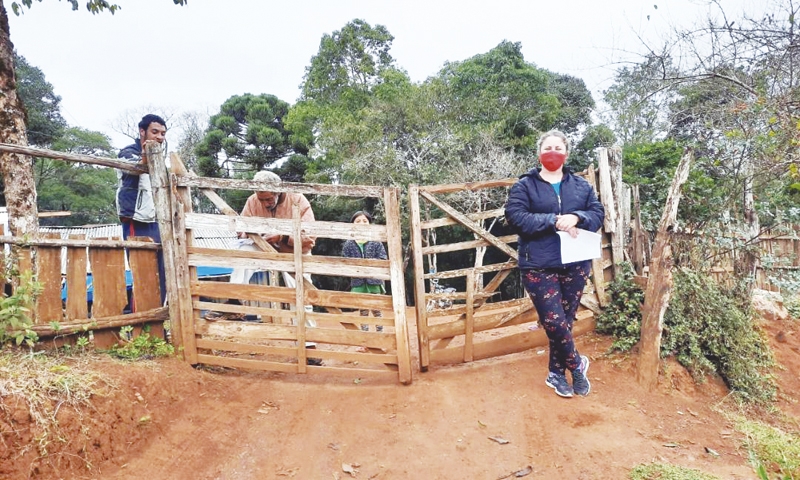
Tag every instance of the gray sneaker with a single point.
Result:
(560, 384)
(580, 382)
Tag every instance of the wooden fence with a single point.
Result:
(278, 342)
(103, 309)
(471, 324)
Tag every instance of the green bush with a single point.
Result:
(711, 330)
(15, 319)
(622, 318)
(143, 346)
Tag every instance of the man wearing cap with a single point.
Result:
(279, 205)
(267, 204)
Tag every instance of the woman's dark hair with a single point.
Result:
(151, 118)
(360, 213)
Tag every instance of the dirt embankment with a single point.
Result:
(487, 420)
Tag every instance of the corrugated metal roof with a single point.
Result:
(203, 237)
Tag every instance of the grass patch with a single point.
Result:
(771, 449)
(666, 471)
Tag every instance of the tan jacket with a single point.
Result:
(283, 209)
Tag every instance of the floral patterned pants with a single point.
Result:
(556, 293)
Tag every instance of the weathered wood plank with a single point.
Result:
(108, 280)
(243, 309)
(95, 243)
(470, 186)
(471, 225)
(304, 188)
(445, 221)
(285, 262)
(77, 306)
(279, 226)
(332, 298)
(598, 277)
(146, 285)
(182, 327)
(517, 342)
(48, 274)
(259, 293)
(167, 206)
(246, 363)
(103, 323)
(469, 321)
(419, 278)
(267, 331)
(395, 251)
(456, 310)
(297, 235)
(468, 245)
(342, 319)
(246, 330)
(72, 157)
(511, 264)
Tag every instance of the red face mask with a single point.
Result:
(552, 160)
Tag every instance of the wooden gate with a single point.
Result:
(472, 322)
(277, 340)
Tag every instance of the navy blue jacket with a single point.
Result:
(371, 250)
(134, 195)
(532, 208)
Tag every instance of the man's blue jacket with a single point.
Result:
(134, 195)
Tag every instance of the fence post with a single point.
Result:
(659, 282)
(159, 182)
(183, 334)
(395, 243)
(419, 279)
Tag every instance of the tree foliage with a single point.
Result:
(94, 6)
(499, 91)
(729, 88)
(43, 107)
(349, 64)
(86, 191)
(248, 134)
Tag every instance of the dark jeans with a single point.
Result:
(132, 228)
(556, 294)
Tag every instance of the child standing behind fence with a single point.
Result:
(365, 249)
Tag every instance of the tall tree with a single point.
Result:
(15, 168)
(86, 191)
(500, 91)
(43, 107)
(349, 63)
(247, 135)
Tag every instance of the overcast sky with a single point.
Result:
(193, 58)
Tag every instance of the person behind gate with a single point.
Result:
(268, 204)
(135, 205)
(365, 249)
(544, 201)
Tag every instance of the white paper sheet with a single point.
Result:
(585, 246)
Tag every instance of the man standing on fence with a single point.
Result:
(135, 205)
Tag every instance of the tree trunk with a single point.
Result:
(659, 281)
(17, 169)
(746, 265)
